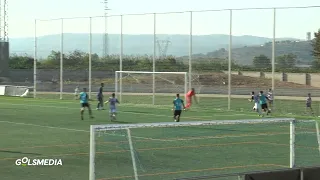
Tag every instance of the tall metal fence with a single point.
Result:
(227, 53)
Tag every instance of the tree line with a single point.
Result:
(78, 60)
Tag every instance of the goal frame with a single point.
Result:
(128, 127)
(3, 89)
(118, 77)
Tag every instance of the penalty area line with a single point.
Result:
(50, 127)
(139, 113)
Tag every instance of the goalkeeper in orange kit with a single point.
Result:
(189, 96)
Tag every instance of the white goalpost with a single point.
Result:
(150, 84)
(112, 131)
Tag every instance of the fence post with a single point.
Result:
(229, 63)
(154, 58)
(35, 61)
(121, 55)
(90, 53)
(61, 60)
(273, 55)
(190, 52)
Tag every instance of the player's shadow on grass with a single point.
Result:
(19, 152)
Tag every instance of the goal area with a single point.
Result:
(171, 150)
(143, 87)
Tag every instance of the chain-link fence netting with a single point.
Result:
(266, 53)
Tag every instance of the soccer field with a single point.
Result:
(44, 128)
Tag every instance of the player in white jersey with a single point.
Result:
(255, 99)
(308, 104)
(112, 104)
(76, 92)
(270, 99)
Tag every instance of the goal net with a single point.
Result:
(161, 151)
(158, 88)
(20, 91)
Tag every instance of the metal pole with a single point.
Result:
(1, 38)
(116, 83)
(121, 54)
(92, 153)
(185, 86)
(154, 59)
(61, 60)
(229, 63)
(35, 61)
(90, 52)
(105, 36)
(292, 143)
(273, 53)
(190, 52)
(318, 135)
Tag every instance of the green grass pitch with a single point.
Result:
(46, 128)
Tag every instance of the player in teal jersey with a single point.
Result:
(84, 101)
(263, 103)
(178, 105)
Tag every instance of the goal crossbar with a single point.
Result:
(95, 129)
(149, 72)
(190, 123)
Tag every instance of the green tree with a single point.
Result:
(291, 60)
(261, 62)
(281, 62)
(286, 61)
(316, 50)
(21, 62)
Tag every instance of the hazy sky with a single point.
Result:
(290, 22)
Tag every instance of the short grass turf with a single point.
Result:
(46, 128)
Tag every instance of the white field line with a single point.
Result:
(50, 127)
(125, 112)
(295, 98)
(153, 139)
(197, 108)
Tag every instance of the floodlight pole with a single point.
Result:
(105, 36)
(4, 21)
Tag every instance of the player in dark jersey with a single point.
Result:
(308, 104)
(100, 98)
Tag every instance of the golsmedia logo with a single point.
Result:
(38, 162)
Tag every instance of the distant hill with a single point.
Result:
(138, 44)
(244, 55)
